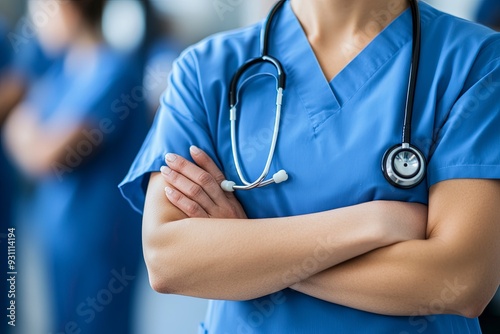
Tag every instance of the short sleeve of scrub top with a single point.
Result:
(467, 145)
(333, 136)
(182, 109)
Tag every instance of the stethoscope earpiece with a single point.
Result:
(227, 186)
(404, 166)
(278, 177)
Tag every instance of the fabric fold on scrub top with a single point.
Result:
(332, 139)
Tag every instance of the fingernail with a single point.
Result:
(168, 190)
(165, 170)
(195, 150)
(170, 157)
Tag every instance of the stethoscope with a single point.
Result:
(403, 165)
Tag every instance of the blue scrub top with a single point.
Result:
(332, 139)
(84, 225)
(79, 199)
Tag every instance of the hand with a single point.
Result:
(195, 188)
(402, 221)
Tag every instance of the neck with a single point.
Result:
(338, 30)
(88, 37)
(319, 18)
(82, 53)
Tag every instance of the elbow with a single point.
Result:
(473, 299)
(472, 311)
(159, 284)
(474, 306)
(163, 276)
(167, 268)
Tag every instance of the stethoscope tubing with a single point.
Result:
(404, 179)
(259, 182)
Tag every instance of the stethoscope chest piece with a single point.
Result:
(404, 166)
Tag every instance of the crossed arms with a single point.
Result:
(391, 258)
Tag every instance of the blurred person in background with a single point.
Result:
(489, 13)
(28, 62)
(5, 185)
(5, 182)
(5, 50)
(73, 136)
(161, 49)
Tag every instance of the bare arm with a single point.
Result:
(34, 147)
(12, 89)
(456, 270)
(243, 259)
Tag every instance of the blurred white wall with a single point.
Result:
(194, 19)
(461, 8)
(255, 11)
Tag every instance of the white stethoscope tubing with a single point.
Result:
(278, 177)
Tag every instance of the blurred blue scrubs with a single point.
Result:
(6, 184)
(332, 140)
(6, 181)
(90, 237)
(5, 49)
(489, 13)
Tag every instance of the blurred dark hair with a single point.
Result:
(91, 10)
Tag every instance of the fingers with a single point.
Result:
(204, 161)
(186, 205)
(196, 187)
(187, 187)
(193, 181)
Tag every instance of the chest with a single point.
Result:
(332, 161)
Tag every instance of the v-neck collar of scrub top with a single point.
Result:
(321, 98)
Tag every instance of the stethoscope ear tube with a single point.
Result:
(233, 87)
(403, 165)
(261, 180)
(281, 175)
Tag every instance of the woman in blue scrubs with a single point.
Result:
(74, 135)
(336, 248)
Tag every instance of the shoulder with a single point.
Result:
(451, 34)
(223, 51)
(246, 37)
(457, 50)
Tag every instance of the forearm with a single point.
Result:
(418, 277)
(12, 89)
(21, 136)
(244, 259)
(456, 270)
(241, 258)
(401, 279)
(35, 147)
